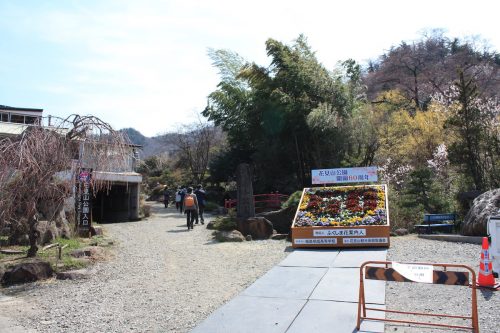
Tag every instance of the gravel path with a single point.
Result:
(419, 297)
(166, 279)
(162, 279)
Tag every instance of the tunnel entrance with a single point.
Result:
(118, 204)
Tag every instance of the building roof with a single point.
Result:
(10, 108)
(11, 129)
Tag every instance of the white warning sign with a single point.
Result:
(413, 272)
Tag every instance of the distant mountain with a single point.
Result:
(157, 145)
(135, 136)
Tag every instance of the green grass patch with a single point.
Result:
(72, 243)
(72, 263)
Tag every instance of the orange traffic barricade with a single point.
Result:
(466, 278)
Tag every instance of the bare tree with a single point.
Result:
(428, 66)
(40, 164)
(197, 143)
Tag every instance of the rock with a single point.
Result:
(73, 275)
(279, 236)
(258, 227)
(18, 239)
(229, 236)
(484, 206)
(48, 231)
(98, 230)
(94, 252)
(281, 219)
(401, 232)
(54, 219)
(248, 238)
(27, 272)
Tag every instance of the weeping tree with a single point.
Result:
(40, 165)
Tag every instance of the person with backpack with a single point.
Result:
(190, 204)
(200, 195)
(182, 193)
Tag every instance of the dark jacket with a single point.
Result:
(200, 195)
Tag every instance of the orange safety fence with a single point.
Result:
(386, 273)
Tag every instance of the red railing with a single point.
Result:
(261, 201)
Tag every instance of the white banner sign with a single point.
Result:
(315, 241)
(368, 240)
(345, 175)
(416, 273)
(339, 232)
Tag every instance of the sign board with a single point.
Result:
(414, 272)
(494, 232)
(344, 175)
(84, 199)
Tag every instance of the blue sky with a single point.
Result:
(144, 64)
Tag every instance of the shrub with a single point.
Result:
(293, 200)
(144, 209)
(211, 206)
(225, 223)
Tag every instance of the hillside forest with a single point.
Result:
(425, 112)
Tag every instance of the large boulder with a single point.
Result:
(484, 206)
(229, 236)
(27, 272)
(47, 231)
(281, 219)
(258, 228)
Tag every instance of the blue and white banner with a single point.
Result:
(344, 175)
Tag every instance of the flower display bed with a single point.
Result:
(342, 216)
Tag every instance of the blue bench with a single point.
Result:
(429, 226)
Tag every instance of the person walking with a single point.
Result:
(178, 198)
(201, 196)
(182, 193)
(190, 204)
(166, 197)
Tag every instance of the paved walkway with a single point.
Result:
(309, 291)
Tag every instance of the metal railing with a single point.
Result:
(261, 201)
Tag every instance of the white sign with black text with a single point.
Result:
(414, 272)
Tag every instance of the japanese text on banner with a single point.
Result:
(345, 175)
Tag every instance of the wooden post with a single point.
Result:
(245, 206)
